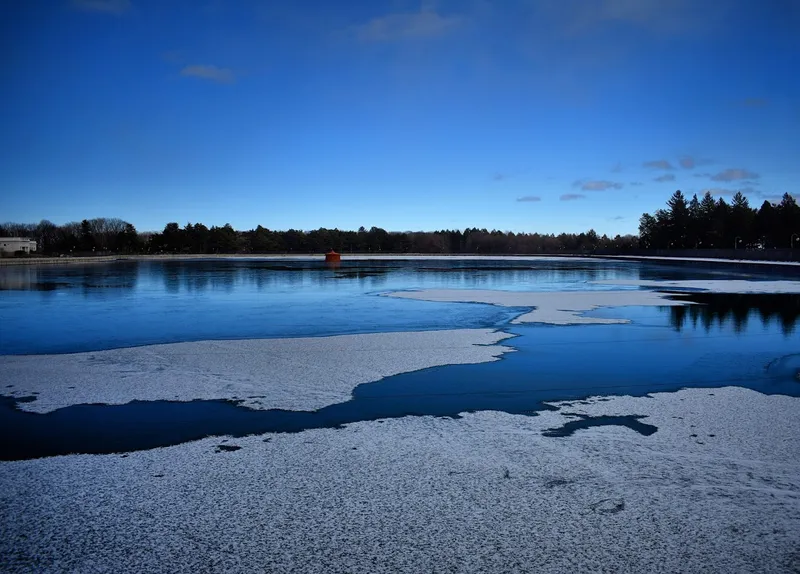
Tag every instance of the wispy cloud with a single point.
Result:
(748, 191)
(665, 177)
(423, 24)
(754, 102)
(717, 191)
(636, 183)
(658, 164)
(662, 16)
(172, 56)
(499, 176)
(104, 6)
(572, 40)
(702, 174)
(734, 174)
(529, 199)
(572, 196)
(588, 19)
(772, 198)
(212, 73)
(687, 162)
(596, 185)
(617, 168)
(616, 218)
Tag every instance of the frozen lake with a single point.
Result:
(399, 416)
(714, 340)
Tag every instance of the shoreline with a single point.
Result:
(13, 262)
(10, 262)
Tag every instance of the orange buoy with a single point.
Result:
(332, 257)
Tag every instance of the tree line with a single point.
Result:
(100, 235)
(693, 223)
(714, 223)
(115, 236)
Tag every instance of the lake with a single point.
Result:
(720, 340)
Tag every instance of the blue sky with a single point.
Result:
(523, 115)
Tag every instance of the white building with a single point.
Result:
(10, 245)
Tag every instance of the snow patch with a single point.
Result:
(711, 285)
(555, 308)
(294, 374)
(701, 259)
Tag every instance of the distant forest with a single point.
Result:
(706, 223)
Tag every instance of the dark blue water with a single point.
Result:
(71, 308)
(742, 340)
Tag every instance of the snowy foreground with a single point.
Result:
(716, 489)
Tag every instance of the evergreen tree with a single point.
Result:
(788, 222)
(695, 227)
(765, 223)
(678, 217)
(741, 220)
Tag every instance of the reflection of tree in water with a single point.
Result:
(735, 310)
(196, 276)
(375, 275)
(92, 280)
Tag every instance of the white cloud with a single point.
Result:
(597, 185)
(665, 177)
(572, 196)
(775, 199)
(717, 191)
(734, 174)
(213, 73)
(747, 191)
(423, 24)
(661, 16)
(529, 199)
(658, 164)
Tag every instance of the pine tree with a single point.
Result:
(678, 220)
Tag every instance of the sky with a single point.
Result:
(521, 115)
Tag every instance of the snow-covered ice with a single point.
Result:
(555, 308)
(296, 374)
(711, 285)
(716, 489)
(701, 260)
